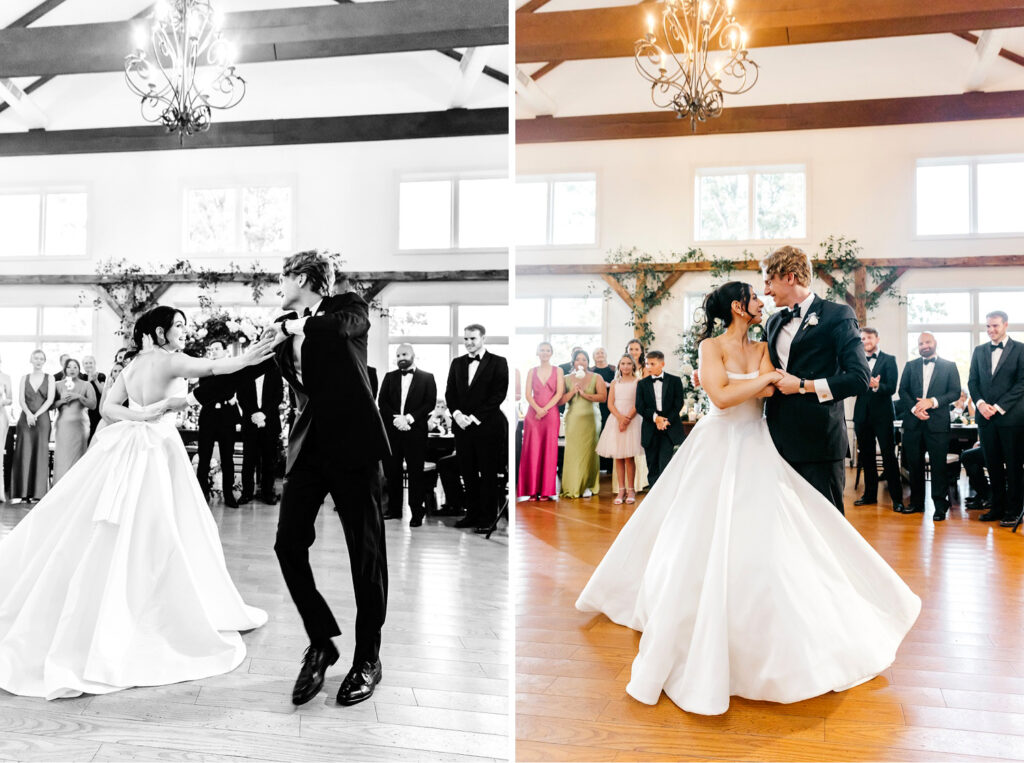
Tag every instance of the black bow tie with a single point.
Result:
(406, 371)
(792, 312)
(474, 358)
(658, 378)
(872, 357)
(306, 313)
(997, 346)
(928, 360)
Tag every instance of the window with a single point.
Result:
(44, 223)
(969, 196)
(435, 333)
(453, 213)
(566, 322)
(253, 220)
(556, 211)
(56, 330)
(761, 203)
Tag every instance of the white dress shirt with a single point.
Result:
(406, 383)
(259, 392)
(784, 341)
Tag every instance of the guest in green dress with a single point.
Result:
(583, 391)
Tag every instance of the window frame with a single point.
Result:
(40, 338)
(549, 227)
(453, 339)
(42, 191)
(453, 231)
(752, 170)
(238, 186)
(547, 330)
(972, 163)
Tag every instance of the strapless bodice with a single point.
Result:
(177, 388)
(749, 409)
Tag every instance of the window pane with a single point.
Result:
(781, 210)
(14, 360)
(927, 308)
(19, 220)
(943, 199)
(575, 212)
(425, 320)
(267, 219)
(525, 352)
(951, 345)
(66, 216)
(54, 350)
(529, 312)
(432, 358)
(210, 217)
(497, 319)
(1010, 302)
(483, 213)
(425, 215)
(563, 344)
(999, 203)
(573, 311)
(724, 207)
(15, 321)
(531, 213)
(68, 321)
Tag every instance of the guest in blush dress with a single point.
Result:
(538, 463)
(620, 439)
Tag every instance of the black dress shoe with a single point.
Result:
(230, 502)
(939, 516)
(389, 515)
(863, 500)
(245, 498)
(912, 510)
(415, 521)
(1008, 522)
(977, 503)
(270, 498)
(898, 508)
(991, 516)
(482, 530)
(360, 682)
(315, 662)
(466, 522)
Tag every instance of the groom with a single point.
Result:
(335, 446)
(817, 345)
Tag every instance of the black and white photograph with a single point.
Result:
(254, 387)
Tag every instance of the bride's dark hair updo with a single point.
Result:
(718, 305)
(159, 317)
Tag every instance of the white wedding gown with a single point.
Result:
(117, 577)
(745, 580)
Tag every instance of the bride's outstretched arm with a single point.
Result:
(723, 391)
(194, 368)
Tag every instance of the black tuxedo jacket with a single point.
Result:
(671, 404)
(944, 387)
(335, 410)
(804, 429)
(1004, 388)
(419, 402)
(876, 405)
(272, 396)
(482, 398)
(217, 390)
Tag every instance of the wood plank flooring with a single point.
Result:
(446, 656)
(955, 692)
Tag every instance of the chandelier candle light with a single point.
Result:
(702, 56)
(192, 67)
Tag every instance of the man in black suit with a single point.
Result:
(996, 382)
(477, 386)
(260, 394)
(873, 420)
(817, 345)
(335, 446)
(407, 398)
(928, 387)
(659, 398)
(218, 419)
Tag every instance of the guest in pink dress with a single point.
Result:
(620, 438)
(538, 464)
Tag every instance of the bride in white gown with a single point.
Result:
(743, 578)
(117, 577)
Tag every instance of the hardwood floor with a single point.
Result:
(445, 653)
(955, 692)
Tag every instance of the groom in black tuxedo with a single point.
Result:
(659, 398)
(873, 421)
(929, 386)
(817, 345)
(996, 382)
(335, 446)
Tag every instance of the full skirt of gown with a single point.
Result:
(117, 577)
(745, 580)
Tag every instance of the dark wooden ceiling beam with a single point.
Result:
(984, 261)
(611, 32)
(1009, 55)
(272, 35)
(35, 14)
(793, 116)
(269, 132)
(169, 279)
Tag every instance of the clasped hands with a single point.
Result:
(986, 410)
(921, 408)
(401, 423)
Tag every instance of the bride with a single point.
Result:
(743, 578)
(117, 577)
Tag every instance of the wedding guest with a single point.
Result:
(602, 368)
(260, 394)
(518, 439)
(973, 462)
(30, 472)
(95, 380)
(583, 390)
(60, 374)
(119, 356)
(477, 386)
(74, 397)
(928, 386)
(443, 455)
(406, 400)
(635, 350)
(115, 371)
(659, 399)
(620, 436)
(873, 422)
(5, 424)
(538, 464)
(568, 365)
(996, 382)
(218, 418)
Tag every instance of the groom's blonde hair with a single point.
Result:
(786, 260)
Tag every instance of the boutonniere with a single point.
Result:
(321, 312)
(812, 320)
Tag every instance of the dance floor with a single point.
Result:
(955, 692)
(445, 655)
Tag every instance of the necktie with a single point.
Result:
(872, 357)
(998, 346)
(929, 360)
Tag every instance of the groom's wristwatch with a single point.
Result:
(803, 388)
